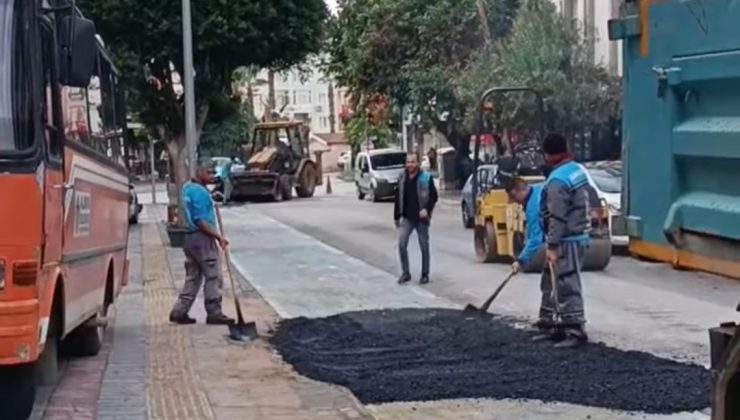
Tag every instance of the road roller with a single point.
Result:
(500, 225)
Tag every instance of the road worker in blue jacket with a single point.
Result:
(566, 222)
(529, 197)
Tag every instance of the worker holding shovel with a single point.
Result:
(529, 197)
(564, 212)
(202, 255)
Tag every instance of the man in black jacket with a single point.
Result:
(416, 197)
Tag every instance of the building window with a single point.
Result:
(282, 97)
(302, 97)
(324, 122)
(322, 98)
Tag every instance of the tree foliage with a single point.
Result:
(226, 135)
(545, 53)
(145, 38)
(410, 51)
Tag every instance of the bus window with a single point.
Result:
(50, 124)
(16, 85)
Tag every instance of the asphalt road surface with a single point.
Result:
(333, 254)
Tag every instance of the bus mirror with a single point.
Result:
(78, 51)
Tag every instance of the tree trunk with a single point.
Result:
(179, 175)
(332, 110)
(271, 104)
(483, 16)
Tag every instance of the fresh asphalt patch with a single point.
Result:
(434, 354)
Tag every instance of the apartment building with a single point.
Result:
(307, 96)
(591, 18)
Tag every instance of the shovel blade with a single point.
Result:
(246, 331)
(471, 308)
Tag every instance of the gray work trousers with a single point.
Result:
(202, 262)
(228, 189)
(422, 232)
(570, 291)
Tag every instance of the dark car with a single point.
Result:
(486, 178)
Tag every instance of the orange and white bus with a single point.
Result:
(64, 192)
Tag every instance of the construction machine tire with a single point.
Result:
(598, 254)
(287, 190)
(537, 263)
(277, 195)
(307, 183)
(486, 246)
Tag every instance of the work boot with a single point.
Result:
(424, 279)
(548, 334)
(544, 335)
(574, 337)
(183, 319)
(571, 342)
(405, 278)
(219, 319)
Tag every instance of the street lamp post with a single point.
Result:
(187, 46)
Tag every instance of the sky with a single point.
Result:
(332, 5)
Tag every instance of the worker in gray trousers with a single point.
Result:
(202, 254)
(565, 215)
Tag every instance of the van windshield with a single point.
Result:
(388, 160)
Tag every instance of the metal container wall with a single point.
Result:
(681, 131)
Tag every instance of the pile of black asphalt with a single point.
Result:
(433, 354)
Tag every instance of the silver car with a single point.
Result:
(377, 173)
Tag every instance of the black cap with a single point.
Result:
(555, 144)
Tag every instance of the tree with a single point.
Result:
(145, 39)
(545, 53)
(411, 50)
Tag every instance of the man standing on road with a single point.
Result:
(202, 257)
(226, 179)
(566, 222)
(416, 197)
(529, 197)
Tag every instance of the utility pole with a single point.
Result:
(151, 170)
(189, 84)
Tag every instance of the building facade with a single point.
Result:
(308, 96)
(590, 18)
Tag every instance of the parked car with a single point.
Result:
(486, 179)
(134, 208)
(377, 173)
(344, 159)
(219, 162)
(606, 178)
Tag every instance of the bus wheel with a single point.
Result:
(17, 391)
(47, 366)
(87, 339)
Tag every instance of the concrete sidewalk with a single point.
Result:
(150, 369)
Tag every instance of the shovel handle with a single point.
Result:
(495, 294)
(554, 293)
(239, 316)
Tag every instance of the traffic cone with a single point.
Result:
(328, 184)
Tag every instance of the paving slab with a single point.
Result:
(301, 276)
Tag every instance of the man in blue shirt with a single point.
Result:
(202, 256)
(529, 197)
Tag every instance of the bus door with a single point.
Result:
(56, 191)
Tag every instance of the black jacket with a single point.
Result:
(426, 194)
